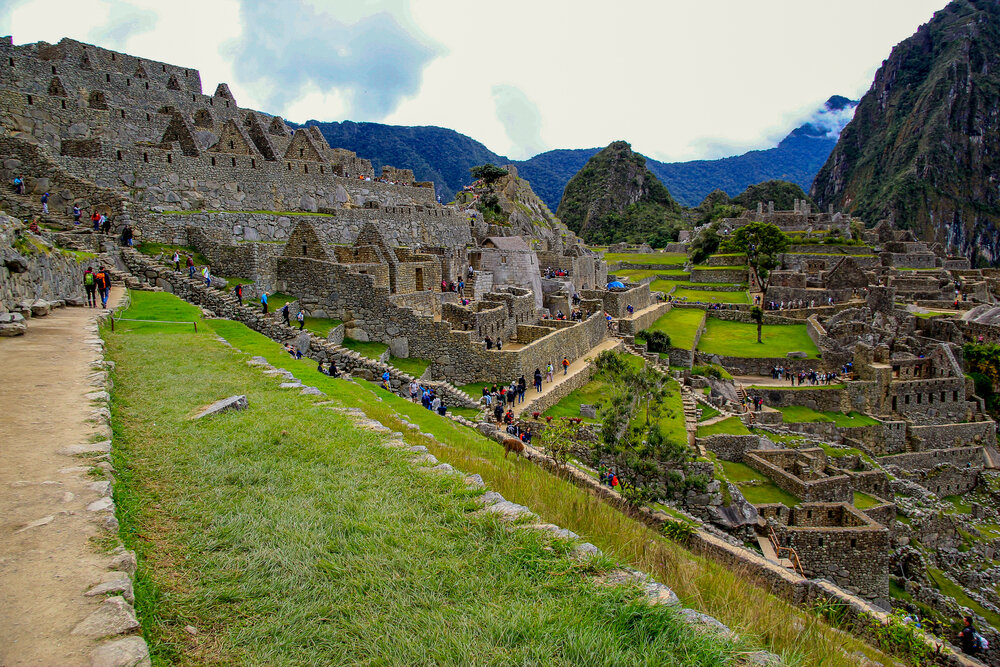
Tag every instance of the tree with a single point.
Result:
(489, 173)
(757, 315)
(559, 439)
(763, 243)
(706, 243)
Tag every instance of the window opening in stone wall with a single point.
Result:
(123, 113)
(147, 85)
(321, 170)
(170, 158)
(112, 56)
(232, 144)
(227, 104)
(30, 101)
(107, 77)
(301, 152)
(145, 157)
(119, 155)
(253, 163)
(53, 69)
(305, 169)
(128, 82)
(63, 104)
(211, 102)
(194, 97)
(893, 402)
(147, 116)
(954, 395)
(213, 161)
(289, 166)
(942, 397)
(185, 73)
(829, 514)
(164, 67)
(821, 541)
(907, 399)
(234, 162)
(10, 61)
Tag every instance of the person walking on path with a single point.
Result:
(103, 285)
(238, 291)
(90, 285)
(45, 203)
(176, 260)
(206, 273)
(565, 365)
(461, 286)
(522, 385)
(538, 381)
(189, 262)
(19, 185)
(285, 315)
(301, 317)
(549, 372)
(972, 641)
(76, 214)
(263, 302)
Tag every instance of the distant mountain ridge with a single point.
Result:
(444, 156)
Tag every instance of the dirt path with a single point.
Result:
(45, 569)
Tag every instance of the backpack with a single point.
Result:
(981, 643)
(88, 279)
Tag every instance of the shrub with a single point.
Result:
(678, 531)
(656, 341)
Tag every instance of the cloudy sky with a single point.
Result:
(678, 79)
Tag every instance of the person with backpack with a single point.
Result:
(522, 385)
(176, 259)
(538, 381)
(90, 285)
(19, 185)
(238, 291)
(103, 285)
(548, 372)
(76, 214)
(206, 273)
(973, 643)
(95, 220)
(45, 203)
(565, 365)
(263, 301)
(285, 315)
(189, 262)
(301, 318)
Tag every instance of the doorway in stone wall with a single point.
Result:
(418, 279)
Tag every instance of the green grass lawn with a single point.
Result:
(681, 324)
(730, 425)
(798, 636)
(960, 505)
(592, 393)
(285, 535)
(368, 349)
(666, 258)
(153, 249)
(710, 296)
(412, 365)
(707, 412)
(799, 414)
(736, 339)
(863, 501)
(755, 487)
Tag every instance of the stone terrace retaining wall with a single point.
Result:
(951, 435)
(561, 390)
(760, 365)
(630, 327)
(49, 276)
(923, 461)
(718, 275)
(818, 399)
(828, 489)
(730, 447)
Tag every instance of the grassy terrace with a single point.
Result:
(729, 425)
(665, 258)
(681, 324)
(755, 487)
(153, 249)
(285, 535)
(636, 275)
(737, 339)
(798, 414)
(799, 637)
(709, 296)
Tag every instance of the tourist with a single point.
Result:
(106, 226)
(263, 302)
(489, 343)
(549, 372)
(76, 214)
(238, 291)
(538, 381)
(970, 639)
(471, 272)
(441, 409)
(435, 404)
(498, 413)
(126, 237)
(565, 365)
(385, 381)
(103, 285)
(176, 259)
(522, 385)
(189, 263)
(487, 398)
(499, 343)
(206, 273)
(285, 315)
(90, 286)
(301, 318)
(19, 185)
(461, 287)
(334, 373)
(444, 285)
(45, 203)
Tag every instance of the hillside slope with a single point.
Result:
(924, 145)
(615, 197)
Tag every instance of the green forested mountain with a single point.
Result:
(924, 145)
(615, 197)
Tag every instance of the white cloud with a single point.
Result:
(676, 79)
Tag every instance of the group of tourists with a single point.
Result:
(97, 283)
(427, 396)
(575, 315)
(806, 377)
(452, 286)
(554, 273)
(328, 368)
(286, 313)
(490, 343)
(791, 304)
(505, 394)
(609, 477)
(517, 431)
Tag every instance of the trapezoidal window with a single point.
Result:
(305, 169)
(53, 69)
(63, 103)
(253, 163)
(30, 101)
(170, 158)
(119, 155)
(145, 157)
(213, 161)
(10, 61)
(234, 162)
(232, 145)
(107, 77)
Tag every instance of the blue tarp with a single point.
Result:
(616, 283)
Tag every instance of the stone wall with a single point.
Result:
(952, 435)
(761, 365)
(719, 275)
(832, 400)
(730, 447)
(35, 270)
(632, 326)
(927, 460)
(772, 463)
